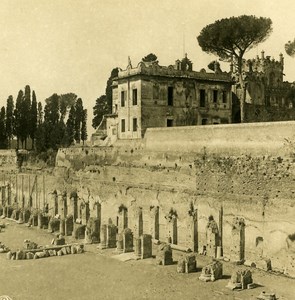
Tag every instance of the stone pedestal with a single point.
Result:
(146, 246)
(127, 240)
(94, 227)
(187, 264)
(240, 280)
(137, 247)
(69, 225)
(164, 255)
(212, 272)
(108, 235)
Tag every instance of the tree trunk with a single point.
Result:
(243, 90)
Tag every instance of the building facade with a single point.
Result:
(268, 96)
(151, 95)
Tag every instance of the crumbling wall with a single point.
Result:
(184, 188)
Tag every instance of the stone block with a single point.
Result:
(20, 255)
(52, 253)
(59, 253)
(60, 240)
(240, 280)
(29, 255)
(8, 255)
(28, 245)
(187, 264)
(73, 249)
(212, 272)
(64, 251)
(263, 264)
(266, 296)
(137, 247)
(111, 236)
(127, 240)
(69, 225)
(79, 231)
(164, 255)
(249, 263)
(80, 249)
(146, 246)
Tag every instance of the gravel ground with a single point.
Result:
(96, 274)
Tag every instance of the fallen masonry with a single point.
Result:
(42, 252)
(266, 296)
(211, 272)
(3, 248)
(240, 280)
(187, 264)
(164, 255)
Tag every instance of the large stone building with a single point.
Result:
(268, 96)
(151, 95)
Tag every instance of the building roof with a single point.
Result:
(154, 69)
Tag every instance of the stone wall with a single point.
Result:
(245, 172)
(233, 139)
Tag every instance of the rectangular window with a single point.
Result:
(169, 123)
(215, 96)
(202, 98)
(134, 124)
(224, 97)
(170, 95)
(134, 96)
(123, 125)
(122, 98)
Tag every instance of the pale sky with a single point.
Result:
(62, 46)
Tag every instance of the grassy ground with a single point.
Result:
(95, 274)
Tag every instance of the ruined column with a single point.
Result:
(73, 207)
(172, 226)
(103, 236)
(62, 205)
(85, 212)
(3, 195)
(237, 250)
(123, 218)
(138, 223)
(194, 230)
(154, 215)
(212, 237)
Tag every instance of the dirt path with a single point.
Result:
(97, 275)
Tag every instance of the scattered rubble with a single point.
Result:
(3, 248)
(46, 252)
(266, 296)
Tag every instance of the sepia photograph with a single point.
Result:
(147, 149)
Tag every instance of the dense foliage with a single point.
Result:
(103, 104)
(231, 38)
(61, 123)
